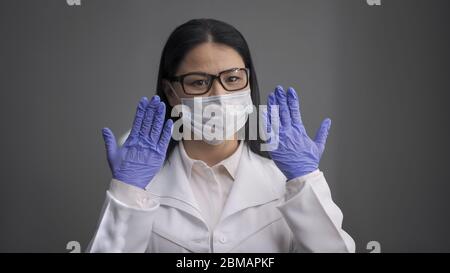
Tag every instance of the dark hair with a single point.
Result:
(187, 36)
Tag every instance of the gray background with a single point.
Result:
(380, 73)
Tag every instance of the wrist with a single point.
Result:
(304, 177)
(302, 170)
(131, 195)
(136, 182)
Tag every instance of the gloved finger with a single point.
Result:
(165, 135)
(148, 119)
(294, 107)
(322, 134)
(140, 112)
(158, 122)
(110, 143)
(285, 116)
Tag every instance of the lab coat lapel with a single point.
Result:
(253, 185)
(172, 187)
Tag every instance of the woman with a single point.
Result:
(213, 194)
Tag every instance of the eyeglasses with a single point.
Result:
(199, 83)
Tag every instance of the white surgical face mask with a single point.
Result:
(216, 118)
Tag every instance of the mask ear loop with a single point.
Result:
(173, 90)
(175, 93)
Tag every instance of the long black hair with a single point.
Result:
(187, 36)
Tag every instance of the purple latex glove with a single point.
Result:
(296, 154)
(142, 155)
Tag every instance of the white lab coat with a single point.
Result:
(263, 213)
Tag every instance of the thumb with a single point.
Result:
(322, 134)
(110, 143)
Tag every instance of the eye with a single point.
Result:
(199, 83)
(196, 82)
(233, 79)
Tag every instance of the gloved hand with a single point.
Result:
(296, 154)
(142, 155)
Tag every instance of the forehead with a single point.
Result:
(211, 58)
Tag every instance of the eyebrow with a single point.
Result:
(202, 72)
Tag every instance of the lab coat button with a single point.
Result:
(223, 239)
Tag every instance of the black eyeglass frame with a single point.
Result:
(211, 77)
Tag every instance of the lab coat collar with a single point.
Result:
(256, 183)
(230, 163)
(172, 186)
